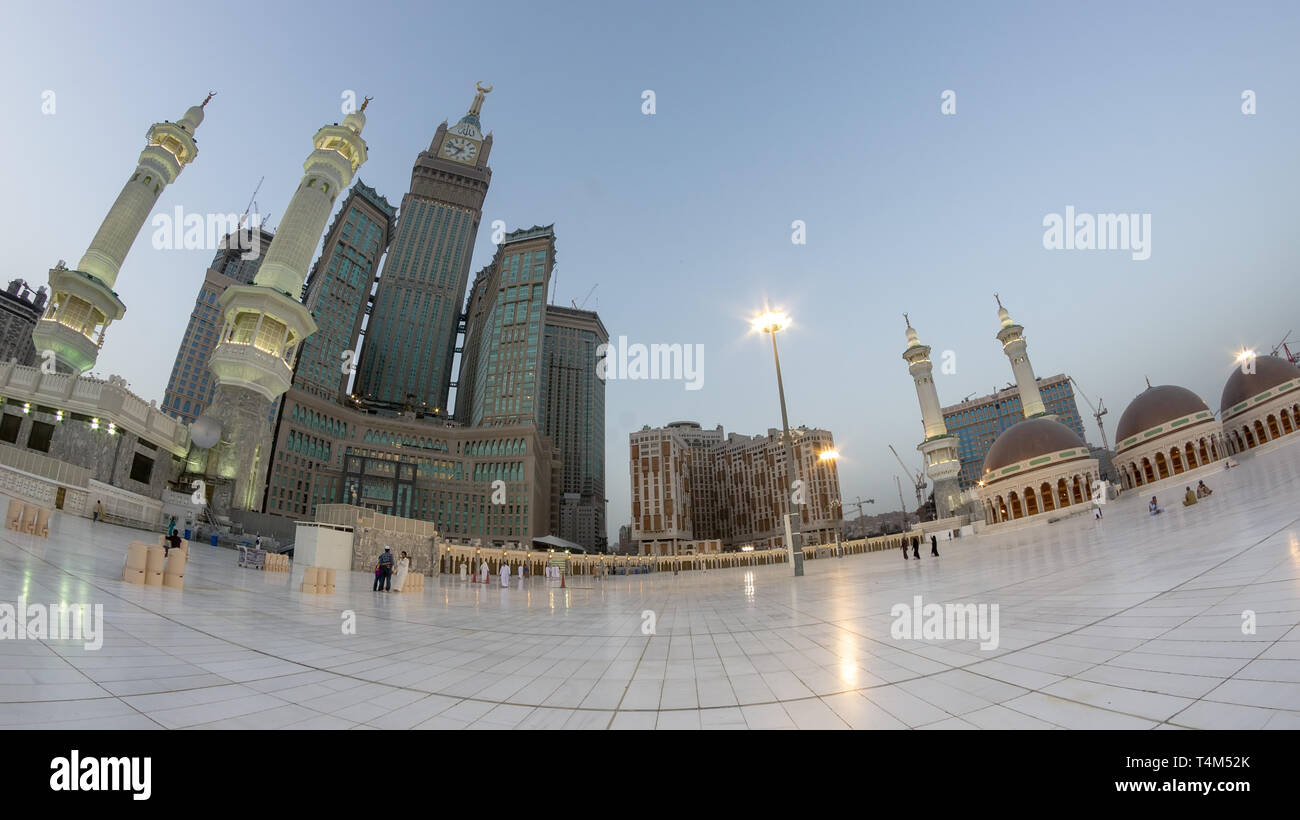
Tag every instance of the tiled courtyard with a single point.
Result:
(1130, 622)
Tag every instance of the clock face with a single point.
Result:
(460, 149)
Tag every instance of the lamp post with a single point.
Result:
(772, 322)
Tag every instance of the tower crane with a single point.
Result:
(1290, 357)
(1097, 412)
(901, 504)
(858, 502)
(577, 306)
(919, 481)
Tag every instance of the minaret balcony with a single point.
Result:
(244, 364)
(79, 311)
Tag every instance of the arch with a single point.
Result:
(1176, 459)
(1077, 490)
(1250, 438)
(1189, 456)
(1045, 493)
(1031, 501)
(1261, 435)
(1062, 494)
(1285, 416)
(1273, 430)
(1002, 509)
(1134, 476)
(1016, 510)
(1162, 466)
(1205, 455)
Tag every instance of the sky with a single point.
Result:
(682, 220)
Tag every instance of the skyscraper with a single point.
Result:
(508, 337)
(411, 339)
(571, 411)
(20, 309)
(338, 290)
(191, 385)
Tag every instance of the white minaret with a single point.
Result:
(82, 302)
(1011, 335)
(264, 323)
(942, 459)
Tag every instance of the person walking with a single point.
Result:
(905, 545)
(934, 545)
(916, 548)
(99, 510)
(399, 574)
(384, 580)
(505, 575)
(171, 526)
(483, 572)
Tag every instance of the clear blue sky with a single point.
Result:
(766, 113)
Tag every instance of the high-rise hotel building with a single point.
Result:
(411, 339)
(191, 385)
(527, 362)
(690, 484)
(338, 291)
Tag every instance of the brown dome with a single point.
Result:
(1029, 438)
(1270, 371)
(1155, 406)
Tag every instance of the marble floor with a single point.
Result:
(1130, 622)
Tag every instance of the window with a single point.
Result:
(141, 468)
(39, 438)
(9, 427)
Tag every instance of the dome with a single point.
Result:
(1157, 405)
(1270, 371)
(1029, 438)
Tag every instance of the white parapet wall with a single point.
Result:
(124, 504)
(323, 545)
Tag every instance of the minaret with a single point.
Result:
(1011, 335)
(942, 459)
(263, 323)
(83, 302)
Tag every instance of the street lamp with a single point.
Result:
(773, 322)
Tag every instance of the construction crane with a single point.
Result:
(1097, 412)
(901, 504)
(577, 306)
(919, 480)
(1290, 357)
(858, 502)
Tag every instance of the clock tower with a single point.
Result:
(411, 338)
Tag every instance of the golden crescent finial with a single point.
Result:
(204, 104)
(365, 101)
(479, 87)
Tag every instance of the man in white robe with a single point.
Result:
(505, 575)
(483, 572)
(464, 571)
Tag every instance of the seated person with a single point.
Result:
(1201, 490)
(1189, 498)
(1153, 507)
(173, 542)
